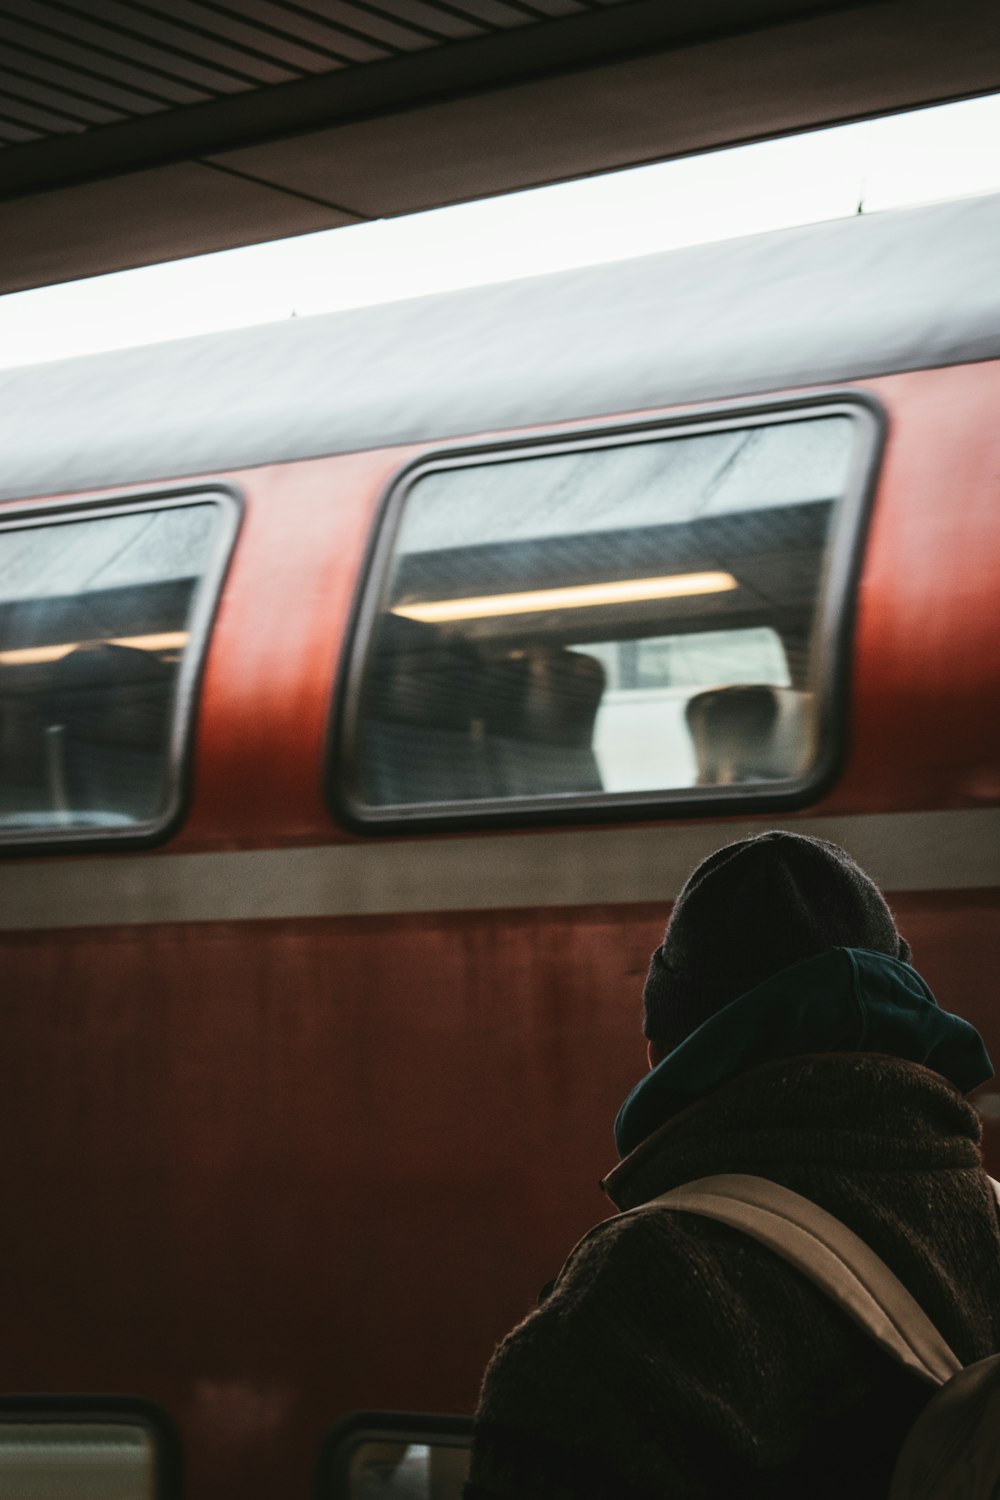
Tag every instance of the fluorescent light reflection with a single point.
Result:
(34, 655)
(582, 596)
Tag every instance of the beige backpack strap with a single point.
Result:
(831, 1255)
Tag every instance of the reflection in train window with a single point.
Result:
(643, 735)
(76, 1461)
(100, 618)
(87, 1448)
(407, 1471)
(396, 1456)
(649, 616)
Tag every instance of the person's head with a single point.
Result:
(750, 910)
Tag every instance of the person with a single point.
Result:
(675, 1357)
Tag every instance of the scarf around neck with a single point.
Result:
(842, 1000)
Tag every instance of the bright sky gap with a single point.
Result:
(947, 151)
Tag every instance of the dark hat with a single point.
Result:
(750, 910)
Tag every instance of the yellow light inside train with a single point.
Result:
(172, 640)
(581, 596)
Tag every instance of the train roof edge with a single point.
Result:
(824, 303)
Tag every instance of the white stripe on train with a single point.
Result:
(912, 851)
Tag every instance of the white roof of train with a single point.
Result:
(900, 290)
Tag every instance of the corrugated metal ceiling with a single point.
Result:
(68, 68)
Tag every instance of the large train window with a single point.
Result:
(104, 611)
(644, 619)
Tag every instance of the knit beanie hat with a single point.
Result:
(750, 910)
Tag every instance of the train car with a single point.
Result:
(369, 684)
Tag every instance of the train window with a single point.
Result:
(78, 1448)
(103, 615)
(396, 1456)
(648, 618)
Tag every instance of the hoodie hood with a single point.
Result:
(843, 1000)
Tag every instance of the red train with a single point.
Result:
(369, 685)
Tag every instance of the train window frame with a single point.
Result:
(72, 1408)
(359, 1427)
(834, 627)
(227, 498)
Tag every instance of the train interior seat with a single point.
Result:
(448, 721)
(751, 732)
(539, 709)
(106, 710)
(24, 790)
(416, 737)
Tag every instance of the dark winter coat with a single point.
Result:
(676, 1358)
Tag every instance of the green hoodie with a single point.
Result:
(843, 1000)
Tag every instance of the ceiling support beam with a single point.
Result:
(509, 111)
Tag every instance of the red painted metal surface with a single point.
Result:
(273, 662)
(269, 1172)
(926, 712)
(925, 726)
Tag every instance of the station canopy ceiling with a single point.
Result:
(138, 132)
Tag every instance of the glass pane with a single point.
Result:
(642, 731)
(407, 1471)
(630, 618)
(76, 1461)
(95, 617)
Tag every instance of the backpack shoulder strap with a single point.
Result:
(831, 1255)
